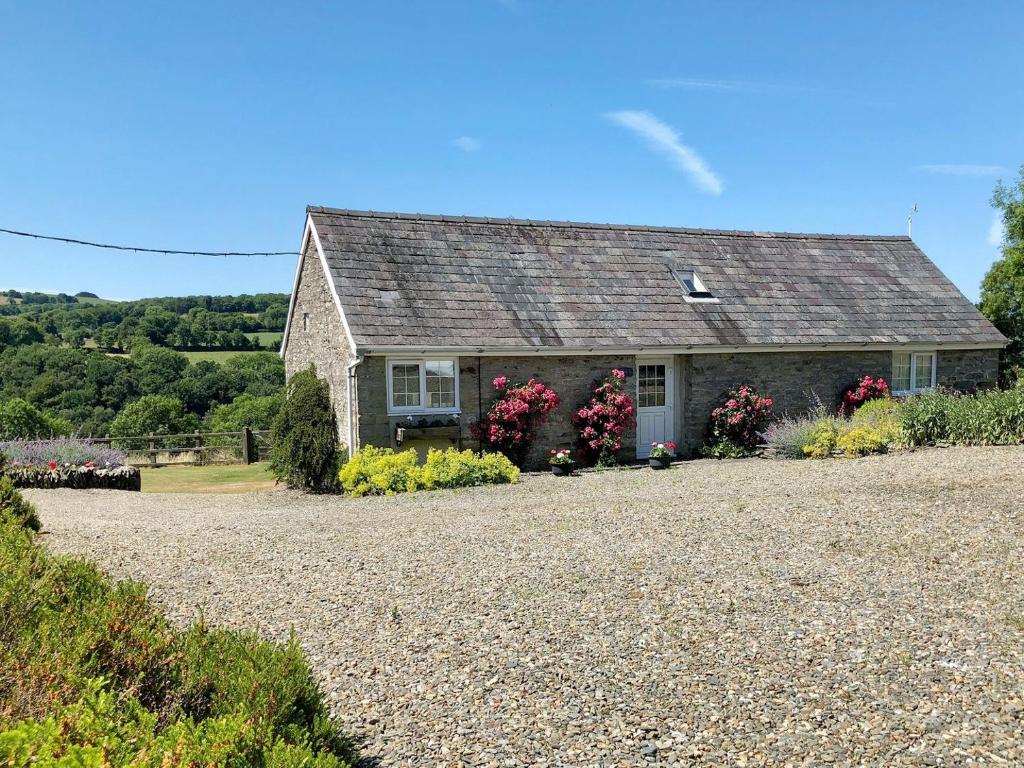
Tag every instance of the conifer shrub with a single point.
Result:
(305, 436)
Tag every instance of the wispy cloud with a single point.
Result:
(963, 169)
(662, 138)
(702, 84)
(467, 143)
(996, 230)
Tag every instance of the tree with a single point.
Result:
(1002, 290)
(260, 373)
(153, 415)
(159, 368)
(246, 411)
(23, 421)
(305, 436)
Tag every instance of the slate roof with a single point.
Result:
(461, 282)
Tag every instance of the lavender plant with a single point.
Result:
(62, 452)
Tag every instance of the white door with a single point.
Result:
(654, 406)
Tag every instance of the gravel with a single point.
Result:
(747, 613)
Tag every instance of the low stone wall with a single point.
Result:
(114, 479)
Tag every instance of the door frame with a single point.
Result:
(642, 447)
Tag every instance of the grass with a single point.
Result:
(218, 355)
(267, 338)
(228, 478)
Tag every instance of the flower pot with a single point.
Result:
(562, 470)
(660, 462)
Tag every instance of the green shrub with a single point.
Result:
(380, 471)
(246, 411)
(822, 438)
(383, 471)
(91, 673)
(987, 418)
(14, 508)
(459, 469)
(20, 420)
(790, 434)
(305, 436)
(152, 415)
(873, 428)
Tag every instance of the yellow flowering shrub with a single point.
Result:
(382, 471)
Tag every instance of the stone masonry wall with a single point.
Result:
(968, 370)
(320, 339)
(792, 379)
(571, 378)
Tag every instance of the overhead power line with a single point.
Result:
(73, 241)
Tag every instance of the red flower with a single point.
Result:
(51, 464)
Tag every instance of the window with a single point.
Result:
(423, 386)
(693, 288)
(913, 371)
(650, 386)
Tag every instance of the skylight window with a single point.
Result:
(693, 288)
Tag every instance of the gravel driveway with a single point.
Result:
(848, 612)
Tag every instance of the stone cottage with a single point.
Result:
(410, 318)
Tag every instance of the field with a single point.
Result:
(719, 613)
(270, 339)
(230, 478)
(217, 355)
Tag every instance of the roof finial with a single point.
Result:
(910, 221)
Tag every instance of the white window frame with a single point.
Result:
(421, 409)
(914, 353)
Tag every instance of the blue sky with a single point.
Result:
(211, 126)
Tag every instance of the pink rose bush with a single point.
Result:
(868, 388)
(604, 420)
(737, 425)
(510, 425)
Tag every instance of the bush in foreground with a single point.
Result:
(305, 436)
(92, 674)
(382, 471)
(14, 509)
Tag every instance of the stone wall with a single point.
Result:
(792, 379)
(571, 378)
(316, 335)
(968, 370)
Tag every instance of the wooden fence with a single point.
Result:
(243, 447)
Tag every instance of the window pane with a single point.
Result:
(923, 372)
(650, 386)
(901, 371)
(405, 385)
(440, 383)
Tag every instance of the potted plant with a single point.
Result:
(561, 462)
(661, 455)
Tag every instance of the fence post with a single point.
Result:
(152, 449)
(246, 445)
